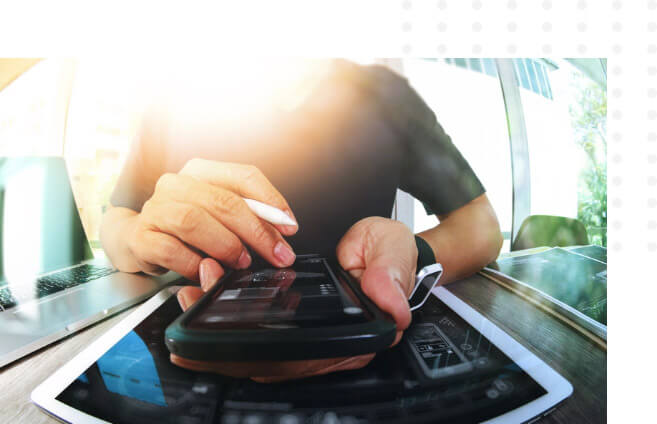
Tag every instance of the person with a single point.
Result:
(332, 161)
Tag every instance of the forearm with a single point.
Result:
(466, 240)
(116, 225)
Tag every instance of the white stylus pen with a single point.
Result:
(269, 213)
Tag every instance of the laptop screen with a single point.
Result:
(40, 227)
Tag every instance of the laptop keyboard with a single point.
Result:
(52, 283)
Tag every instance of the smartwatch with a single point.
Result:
(429, 272)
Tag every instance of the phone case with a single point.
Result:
(282, 344)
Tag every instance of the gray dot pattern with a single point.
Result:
(549, 28)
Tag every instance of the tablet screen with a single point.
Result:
(443, 371)
(306, 295)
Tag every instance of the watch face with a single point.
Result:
(425, 281)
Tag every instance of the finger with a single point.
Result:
(246, 180)
(188, 295)
(166, 251)
(320, 368)
(287, 230)
(386, 291)
(196, 227)
(231, 210)
(353, 247)
(232, 369)
(271, 371)
(151, 269)
(356, 273)
(383, 254)
(209, 273)
(398, 338)
(379, 240)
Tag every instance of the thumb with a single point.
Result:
(384, 281)
(209, 272)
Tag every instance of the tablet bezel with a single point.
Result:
(45, 395)
(557, 387)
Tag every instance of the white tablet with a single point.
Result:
(453, 365)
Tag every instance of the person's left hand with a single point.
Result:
(379, 252)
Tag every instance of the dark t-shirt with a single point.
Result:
(337, 158)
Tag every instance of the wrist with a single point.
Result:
(425, 254)
(116, 232)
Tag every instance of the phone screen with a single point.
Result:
(306, 295)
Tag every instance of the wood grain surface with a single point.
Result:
(578, 359)
(17, 380)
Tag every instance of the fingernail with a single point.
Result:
(182, 300)
(244, 261)
(203, 275)
(284, 254)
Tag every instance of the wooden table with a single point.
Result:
(577, 358)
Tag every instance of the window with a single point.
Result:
(88, 110)
(468, 103)
(32, 110)
(103, 116)
(567, 147)
(532, 76)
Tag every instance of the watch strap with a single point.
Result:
(425, 255)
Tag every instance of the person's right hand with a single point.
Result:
(199, 212)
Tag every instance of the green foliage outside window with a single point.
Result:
(589, 118)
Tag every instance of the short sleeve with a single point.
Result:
(143, 166)
(433, 171)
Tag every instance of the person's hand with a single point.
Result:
(199, 213)
(380, 253)
(262, 371)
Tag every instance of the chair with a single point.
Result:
(548, 230)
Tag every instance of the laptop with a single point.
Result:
(50, 283)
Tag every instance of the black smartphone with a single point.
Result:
(311, 310)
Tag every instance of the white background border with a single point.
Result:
(624, 31)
